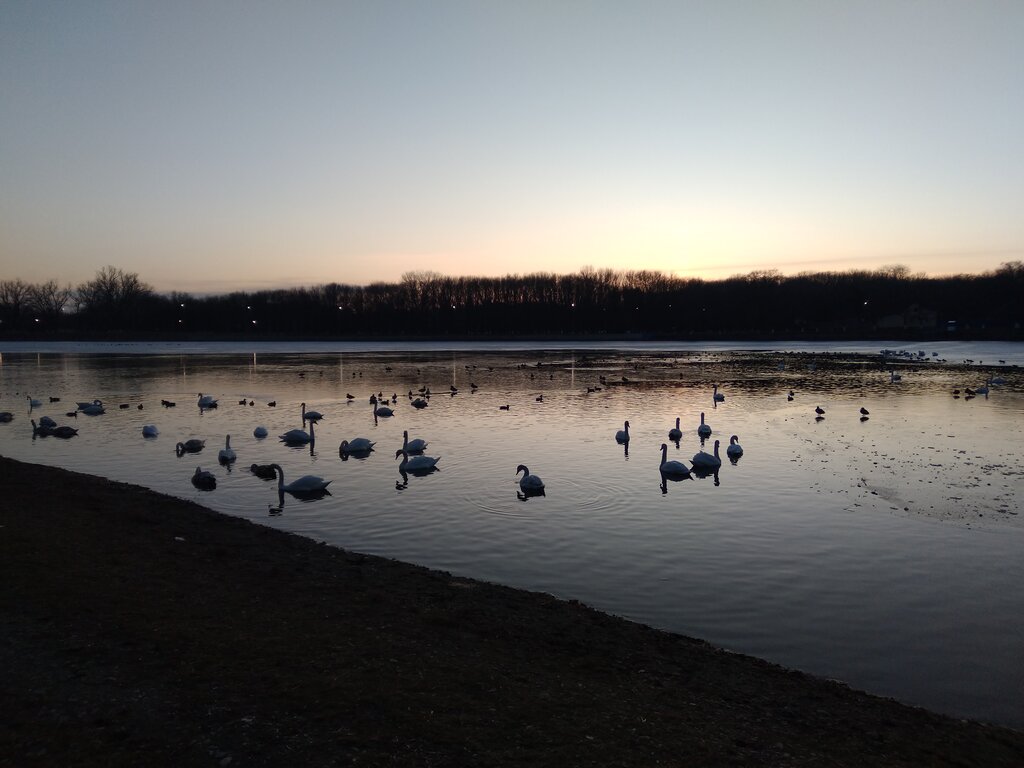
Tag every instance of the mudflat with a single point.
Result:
(141, 630)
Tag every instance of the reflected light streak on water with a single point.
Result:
(884, 552)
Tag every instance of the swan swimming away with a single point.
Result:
(415, 463)
(203, 480)
(416, 445)
(674, 468)
(310, 415)
(150, 430)
(622, 436)
(718, 398)
(529, 483)
(735, 450)
(357, 445)
(704, 430)
(64, 431)
(227, 454)
(260, 431)
(704, 460)
(305, 484)
(675, 433)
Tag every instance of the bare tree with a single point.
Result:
(50, 298)
(14, 297)
(112, 296)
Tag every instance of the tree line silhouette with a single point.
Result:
(885, 303)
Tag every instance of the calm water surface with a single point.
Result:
(886, 552)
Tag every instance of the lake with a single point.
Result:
(886, 551)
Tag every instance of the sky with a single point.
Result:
(239, 145)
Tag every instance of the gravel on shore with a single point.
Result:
(142, 630)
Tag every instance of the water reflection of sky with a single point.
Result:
(884, 552)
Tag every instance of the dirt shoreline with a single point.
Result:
(139, 629)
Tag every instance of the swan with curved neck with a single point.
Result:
(357, 445)
(705, 460)
(193, 445)
(415, 463)
(416, 445)
(735, 450)
(674, 468)
(305, 484)
(204, 481)
(529, 483)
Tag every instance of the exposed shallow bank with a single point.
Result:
(139, 629)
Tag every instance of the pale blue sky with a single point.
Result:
(211, 146)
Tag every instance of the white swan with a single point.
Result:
(675, 433)
(416, 463)
(203, 480)
(227, 454)
(83, 405)
(416, 445)
(357, 445)
(704, 460)
(622, 436)
(529, 483)
(704, 430)
(735, 450)
(298, 436)
(260, 432)
(93, 409)
(310, 415)
(150, 430)
(305, 484)
(207, 401)
(716, 396)
(674, 468)
(33, 403)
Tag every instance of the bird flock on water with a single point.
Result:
(412, 453)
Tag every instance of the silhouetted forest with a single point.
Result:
(885, 303)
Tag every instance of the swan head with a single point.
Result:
(401, 452)
(733, 439)
(522, 468)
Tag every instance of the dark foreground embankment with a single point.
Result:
(138, 629)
